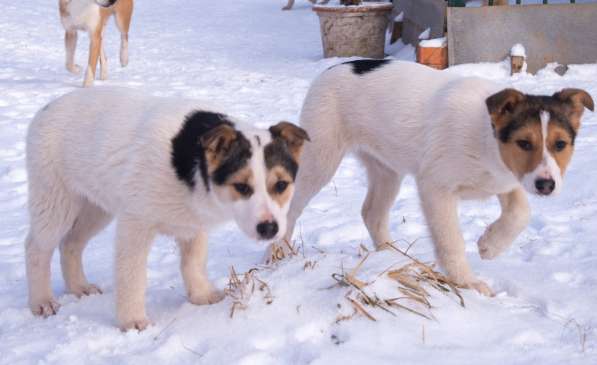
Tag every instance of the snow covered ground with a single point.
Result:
(257, 62)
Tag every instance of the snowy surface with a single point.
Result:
(258, 62)
(434, 43)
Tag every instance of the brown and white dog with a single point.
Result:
(92, 16)
(461, 138)
(159, 166)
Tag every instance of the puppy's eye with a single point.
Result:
(280, 186)
(560, 145)
(243, 189)
(524, 144)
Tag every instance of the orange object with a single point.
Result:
(436, 57)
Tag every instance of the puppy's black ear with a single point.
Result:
(502, 104)
(216, 143)
(292, 135)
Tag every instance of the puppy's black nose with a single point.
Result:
(267, 230)
(545, 186)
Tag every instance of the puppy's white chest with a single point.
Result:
(82, 14)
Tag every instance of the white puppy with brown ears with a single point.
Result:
(92, 16)
(461, 138)
(159, 166)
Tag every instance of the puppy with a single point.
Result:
(461, 138)
(91, 16)
(290, 3)
(159, 166)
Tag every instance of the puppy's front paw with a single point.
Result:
(211, 296)
(136, 324)
(481, 287)
(490, 245)
(74, 69)
(45, 307)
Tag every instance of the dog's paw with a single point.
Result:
(137, 324)
(209, 297)
(481, 287)
(124, 58)
(490, 245)
(74, 69)
(103, 74)
(85, 289)
(89, 78)
(44, 308)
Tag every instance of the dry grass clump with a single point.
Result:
(242, 288)
(414, 281)
(280, 251)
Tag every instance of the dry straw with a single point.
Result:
(242, 288)
(415, 281)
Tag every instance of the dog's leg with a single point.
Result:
(70, 45)
(88, 223)
(193, 260)
(52, 214)
(513, 220)
(289, 5)
(38, 256)
(384, 185)
(133, 241)
(95, 46)
(441, 213)
(103, 64)
(318, 163)
(123, 14)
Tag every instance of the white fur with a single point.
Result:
(100, 153)
(548, 168)
(410, 119)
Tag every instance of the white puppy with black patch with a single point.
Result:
(461, 138)
(159, 166)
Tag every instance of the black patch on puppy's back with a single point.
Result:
(361, 67)
(276, 153)
(187, 153)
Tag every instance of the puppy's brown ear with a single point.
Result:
(216, 142)
(502, 104)
(577, 97)
(577, 100)
(292, 135)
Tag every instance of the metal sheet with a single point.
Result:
(420, 15)
(566, 33)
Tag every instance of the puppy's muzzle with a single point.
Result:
(545, 186)
(267, 230)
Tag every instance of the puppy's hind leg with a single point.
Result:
(513, 220)
(123, 15)
(133, 241)
(103, 64)
(70, 45)
(318, 163)
(52, 214)
(88, 223)
(193, 259)
(441, 213)
(384, 186)
(95, 46)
